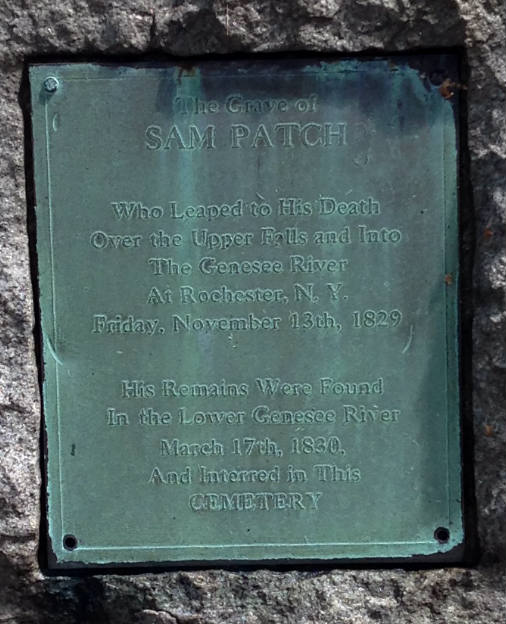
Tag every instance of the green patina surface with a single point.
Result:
(248, 282)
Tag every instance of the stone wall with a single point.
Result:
(91, 29)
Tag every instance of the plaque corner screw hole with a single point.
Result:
(437, 77)
(51, 84)
(69, 542)
(442, 535)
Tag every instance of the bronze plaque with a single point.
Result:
(248, 279)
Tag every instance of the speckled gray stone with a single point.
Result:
(95, 28)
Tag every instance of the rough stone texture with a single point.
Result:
(88, 28)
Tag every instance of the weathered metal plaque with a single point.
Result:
(248, 282)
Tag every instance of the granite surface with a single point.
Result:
(90, 29)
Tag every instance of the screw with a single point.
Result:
(70, 542)
(437, 77)
(51, 84)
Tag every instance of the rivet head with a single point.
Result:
(51, 84)
(437, 77)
